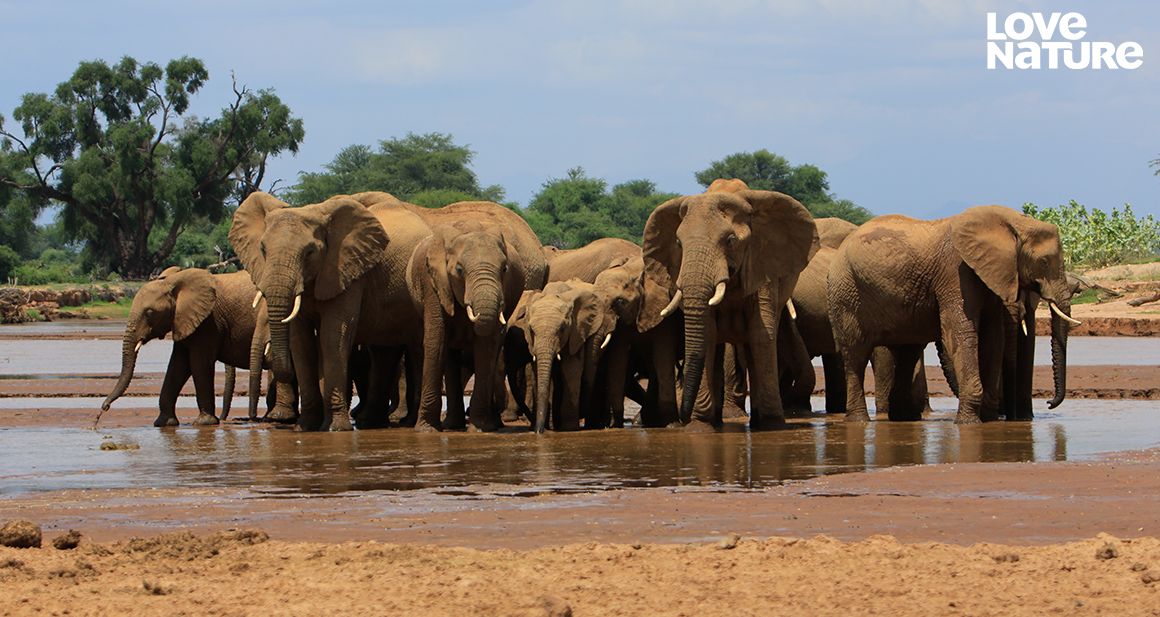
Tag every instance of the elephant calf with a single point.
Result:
(211, 318)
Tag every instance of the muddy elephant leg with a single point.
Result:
(834, 373)
(765, 403)
(992, 352)
(854, 358)
(903, 406)
(456, 418)
(664, 371)
(431, 391)
(228, 391)
(961, 341)
(735, 383)
(1025, 363)
(882, 366)
(412, 372)
(283, 402)
(483, 412)
(203, 367)
(571, 368)
(919, 395)
(176, 374)
(304, 352)
(335, 340)
(615, 378)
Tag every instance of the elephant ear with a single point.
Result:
(355, 243)
(586, 311)
(784, 238)
(437, 271)
(987, 243)
(662, 262)
(249, 225)
(168, 271)
(194, 293)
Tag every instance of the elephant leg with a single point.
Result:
(228, 391)
(571, 369)
(1025, 364)
(855, 357)
(456, 419)
(359, 378)
(664, 372)
(766, 409)
(882, 366)
(283, 401)
(797, 366)
(304, 353)
(903, 406)
(961, 341)
(992, 354)
(835, 375)
(615, 380)
(382, 384)
(919, 395)
(176, 374)
(203, 366)
(335, 337)
(412, 367)
(484, 412)
(430, 398)
(734, 384)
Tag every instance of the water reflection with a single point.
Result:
(273, 460)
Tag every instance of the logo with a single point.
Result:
(1032, 41)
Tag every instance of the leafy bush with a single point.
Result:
(9, 261)
(1096, 238)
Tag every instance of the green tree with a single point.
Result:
(766, 171)
(131, 169)
(572, 211)
(427, 168)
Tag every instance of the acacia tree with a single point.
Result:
(116, 148)
(572, 211)
(766, 171)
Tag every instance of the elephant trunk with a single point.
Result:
(484, 299)
(545, 354)
(700, 340)
(283, 293)
(129, 348)
(1059, 329)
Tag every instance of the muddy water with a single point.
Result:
(275, 461)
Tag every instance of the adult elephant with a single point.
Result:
(729, 260)
(466, 279)
(211, 320)
(332, 278)
(587, 262)
(903, 282)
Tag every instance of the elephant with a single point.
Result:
(587, 262)
(559, 325)
(729, 260)
(630, 351)
(283, 398)
(332, 279)
(211, 320)
(465, 279)
(962, 280)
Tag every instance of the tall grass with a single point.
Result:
(1094, 238)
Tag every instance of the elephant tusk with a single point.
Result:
(257, 298)
(1063, 316)
(558, 356)
(607, 338)
(718, 294)
(1024, 324)
(140, 344)
(502, 319)
(533, 357)
(266, 350)
(792, 311)
(471, 314)
(294, 311)
(673, 304)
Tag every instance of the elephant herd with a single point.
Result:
(732, 293)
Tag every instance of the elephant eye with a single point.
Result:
(678, 243)
(459, 269)
(731, 239)
(262, 249)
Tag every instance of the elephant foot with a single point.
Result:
(206, 419)
(282, 413)
(422, 426)
(370, 423)
(857, 416)
(967, 418)
(766, 423)
(700, 426)
(798, 410)
(733, 410)
(166, 421)
(510, 415)
(340, 422)
(309, 422)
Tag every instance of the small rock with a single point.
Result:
(1107, 551)
(1006, 558)
(20, 534)
(556, 607)
(1139, 567)
(68, 541)
(154, 588)
(636, 546)
(729, 542)
(1150, 577)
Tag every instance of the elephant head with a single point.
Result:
(1014, 255)
(475, 268)
(178, 302)
(701, 250)
(833, 231)
(318, 250)
(558, 321)
(622, 287)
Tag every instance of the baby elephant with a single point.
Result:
(211, 318)
(558, 325)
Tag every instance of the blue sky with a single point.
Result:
(892, 98)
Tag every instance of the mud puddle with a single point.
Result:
(276, 461)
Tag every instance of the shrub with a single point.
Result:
(9, 261)
(1094, 238)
